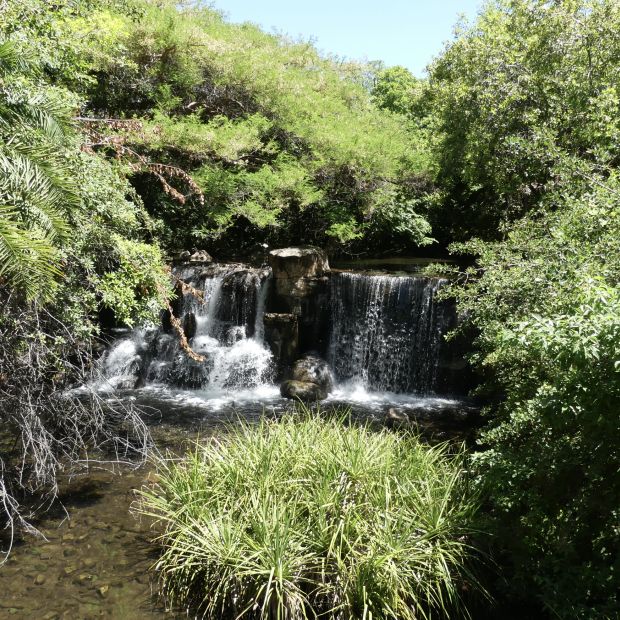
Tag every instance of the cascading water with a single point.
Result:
(385, 336)
(225, 326)
(387, 332)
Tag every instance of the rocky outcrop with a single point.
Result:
(199, 256)
(301, 390)
(305, 261)
(312, 369)
(281, 334)
(301, 287)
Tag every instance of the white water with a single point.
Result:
(387, 332)
(385, 340)
(229, 335)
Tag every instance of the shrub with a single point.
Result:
(308, 517)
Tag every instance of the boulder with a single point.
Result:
(312, 369)
(200, 256)
(300, 262)
(180, 255)
(300, 390)
(397, 419)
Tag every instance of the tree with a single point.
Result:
(526, 99)
(527, 106)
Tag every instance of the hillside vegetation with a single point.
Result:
(283, 144)
(129, 129)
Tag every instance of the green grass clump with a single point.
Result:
(308, 517)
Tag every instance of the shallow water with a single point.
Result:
(95, 560)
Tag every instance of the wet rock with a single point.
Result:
(396, 419)
(312, 369)
(100, 525)
(282, 336)
(301, 287)
(200, 256)
(69, 569)
(299, 262)
(69, 552)
(190, 325)
(103, 591)
(300, 390)
(51, 615)
(139, 384)
(180, 255)
(84, 579)
(49, 552)
(39, 579)
(88, 562)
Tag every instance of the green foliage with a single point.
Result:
(139, 276)
(36, 191)
(526, 104)
(526, 99)
(398, 90)
(268, 127)
(545, 304)
(72, 240)
(52, 226)
(107, 262)
(304, 517)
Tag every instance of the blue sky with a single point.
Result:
(398, 32)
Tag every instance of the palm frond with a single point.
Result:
(13, 60)
(36, 114)
(26, 261)
(41, 203)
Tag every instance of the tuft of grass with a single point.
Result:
(309, 517)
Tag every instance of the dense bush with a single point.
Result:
(305, 516)
(70, 225)
(528, 102)
(273, 132)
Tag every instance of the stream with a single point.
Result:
(382, 334)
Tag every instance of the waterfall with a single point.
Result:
(225, 326)
(387, 332)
